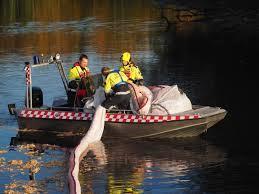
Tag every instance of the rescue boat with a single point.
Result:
(63, 121)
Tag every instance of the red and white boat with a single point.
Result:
(67, 121)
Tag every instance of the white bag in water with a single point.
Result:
(92, 103)
(169, 100)
(93, 135)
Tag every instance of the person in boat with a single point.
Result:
(80, 82)
(130, 69)
(116, 89)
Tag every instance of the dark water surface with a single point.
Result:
(208, 48)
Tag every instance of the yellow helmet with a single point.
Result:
(125, 57)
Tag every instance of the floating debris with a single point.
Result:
(16, 162)
(27, 146)
(22, 187)
(29, 189)
(3, 151)
(11, 192)
(2, 161)
(11, 186)
(9, 189)
(31, 153)
(33, 165)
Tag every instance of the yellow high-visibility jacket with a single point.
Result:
(77, 73)
(132, 71)
(113, 79)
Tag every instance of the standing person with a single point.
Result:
(131, 70)
(116, 89)
(80, 80)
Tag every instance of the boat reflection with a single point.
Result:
(142, 166)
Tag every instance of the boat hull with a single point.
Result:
(171, 129)
(119, 129)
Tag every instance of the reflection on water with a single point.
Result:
(139, 166)
(178, 166)
(133, 167)
(90, 25)
(187, 43)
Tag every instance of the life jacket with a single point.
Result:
(82, 91)
(77, 73)
(86, 72)
(132, 71)
(126, 70)
(116, 86)
(76, 64)
(117, 82)
(82, 73)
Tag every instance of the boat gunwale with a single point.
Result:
(111, 117)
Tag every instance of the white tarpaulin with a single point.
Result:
(141, 98)
(169, 100)
(158, 100)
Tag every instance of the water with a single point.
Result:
(210, 56)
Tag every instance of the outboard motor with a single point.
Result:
(36, 60)
(37, 97)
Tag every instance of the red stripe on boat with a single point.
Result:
(121, 118)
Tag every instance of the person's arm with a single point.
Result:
(91, 81)
(121, 68)
(107, 85)
(138, 75)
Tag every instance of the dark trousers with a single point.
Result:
(121, 101)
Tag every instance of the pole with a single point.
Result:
(30, 87)
(27, 70)
(27, 96)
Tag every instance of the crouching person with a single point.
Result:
(116, 89)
